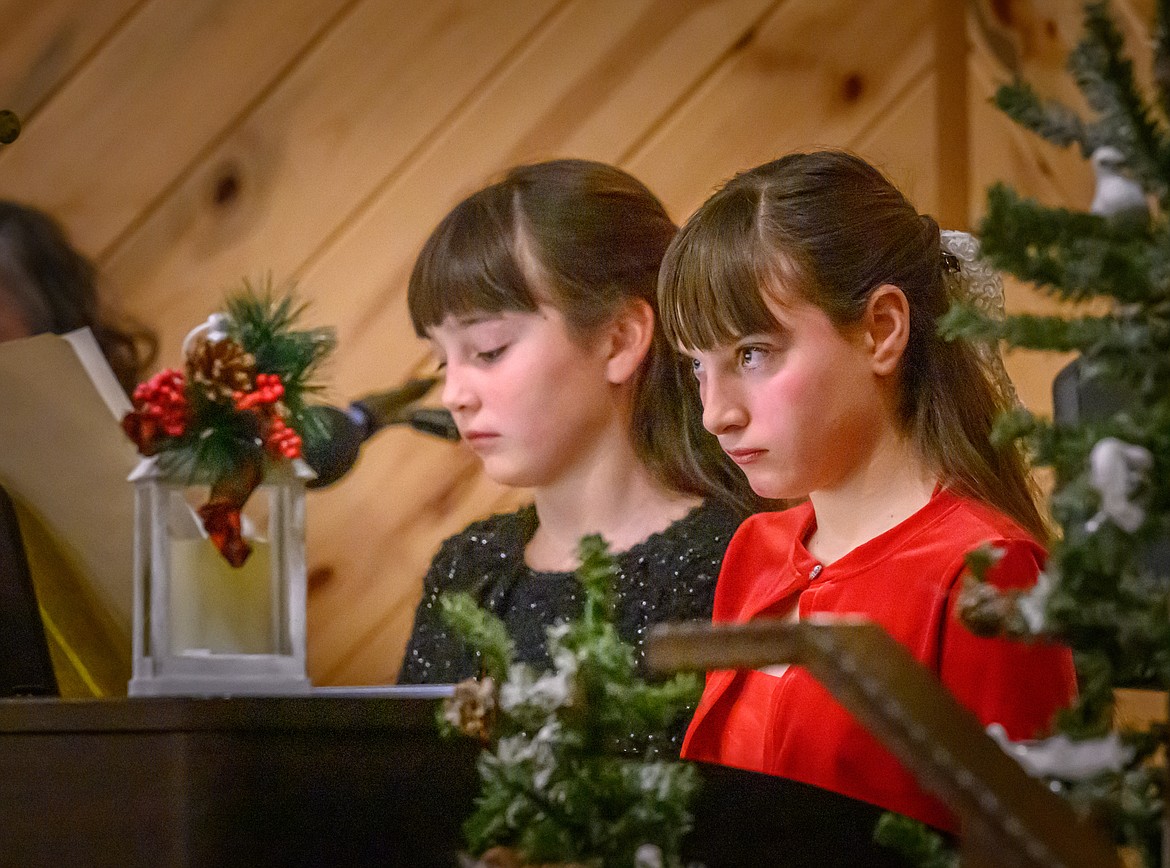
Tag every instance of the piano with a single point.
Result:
(331, 779)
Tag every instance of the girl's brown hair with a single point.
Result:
(831, 227)
(55, 288)
(597, 236)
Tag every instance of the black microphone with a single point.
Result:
(333, 455)
(9, 127)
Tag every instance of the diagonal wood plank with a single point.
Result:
(44, 41)
(325, 139)
(803, 79)
(162, 88)
(902, 143)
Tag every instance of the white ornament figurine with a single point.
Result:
(648, 856)
(1116, 470)
(1061, 757)
(1118, 197)
(1033, 605)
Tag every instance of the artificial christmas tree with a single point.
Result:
(1105, 591)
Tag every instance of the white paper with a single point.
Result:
(65, 459)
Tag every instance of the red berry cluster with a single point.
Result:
(163, 398)
(268, 390)
(160, 410)
(160, 404)
(282, 439)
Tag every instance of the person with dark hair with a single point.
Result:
(46, 285)
(537, 295)
(807, 292)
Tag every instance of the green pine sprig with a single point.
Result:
(1050, 119)
(217, 447)
(915, 841)
(1074, 255)
(1108, 597)
(264, 324)
(481, 630)
(576, 770)
(1125, 118)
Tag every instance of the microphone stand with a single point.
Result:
(333, 455)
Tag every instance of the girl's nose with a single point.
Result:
(723, 411)
(457, 393)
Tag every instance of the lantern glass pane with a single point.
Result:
(216, 608)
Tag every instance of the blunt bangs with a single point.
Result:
(468, 265)
(713, 277)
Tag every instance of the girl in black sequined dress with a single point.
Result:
(538, 295)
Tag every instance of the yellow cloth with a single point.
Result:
(91, 653)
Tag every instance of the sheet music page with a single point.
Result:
(65, 459)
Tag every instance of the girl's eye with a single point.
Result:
(491, 355)
(696, 367)
(751, 357)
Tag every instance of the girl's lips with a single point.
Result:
(478, 438)
(744, 456)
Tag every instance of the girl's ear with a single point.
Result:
(630, 334)
(887, 328)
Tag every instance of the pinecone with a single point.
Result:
(220, 368)
(472, 707)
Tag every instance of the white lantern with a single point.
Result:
(205, 628)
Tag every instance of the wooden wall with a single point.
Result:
(186, 144)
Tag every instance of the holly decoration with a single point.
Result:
(238, 404)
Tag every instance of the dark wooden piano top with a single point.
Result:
(320, 781)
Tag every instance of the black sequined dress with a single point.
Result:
(668, 577)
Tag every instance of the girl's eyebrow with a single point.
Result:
(478, 317)
(475, 318)
(776, 333)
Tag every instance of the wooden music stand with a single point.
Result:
(1009, 819)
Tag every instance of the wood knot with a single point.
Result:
(852, 87)
(318, 577)
(748, 37)
(225, 190)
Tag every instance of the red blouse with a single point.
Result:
(907, 580)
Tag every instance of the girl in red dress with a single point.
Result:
(807, 293)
